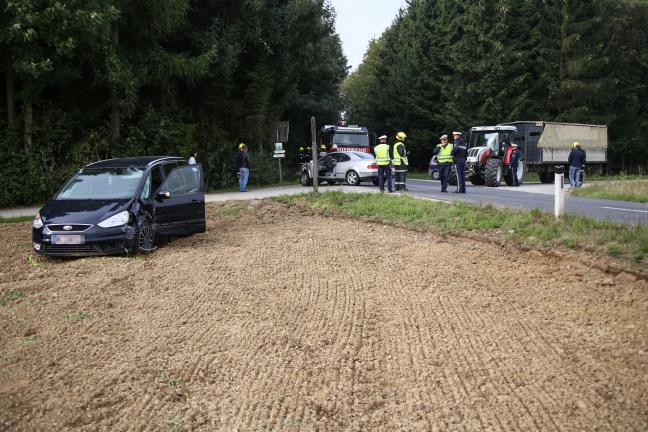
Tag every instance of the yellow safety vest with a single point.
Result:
(444, 155)
(382, 154)
(397, 157)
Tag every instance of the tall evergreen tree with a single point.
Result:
(580, 81)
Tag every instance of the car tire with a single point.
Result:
(352, 178)
(305, 179)
(145, 237)
(435, 175)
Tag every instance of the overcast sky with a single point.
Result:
(359, 21)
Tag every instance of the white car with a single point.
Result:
(343, 167)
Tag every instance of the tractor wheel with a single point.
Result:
(508, 178)
(452, 178)
(493, 175)
(477, 180)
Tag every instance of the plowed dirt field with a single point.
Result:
(283, 319)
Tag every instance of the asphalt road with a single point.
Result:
(528, 196)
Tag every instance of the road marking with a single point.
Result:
(622, 209)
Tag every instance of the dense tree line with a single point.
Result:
(92, 79)
(445, 65)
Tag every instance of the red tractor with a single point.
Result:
(489, 154)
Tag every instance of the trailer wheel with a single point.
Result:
(546, 177)
(493, 175)
(477, 180)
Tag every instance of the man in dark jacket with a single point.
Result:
(576, 160)
(459, 154)
(244, 163)
(514, 160)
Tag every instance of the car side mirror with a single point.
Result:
(163, 195)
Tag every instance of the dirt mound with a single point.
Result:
(284, 319)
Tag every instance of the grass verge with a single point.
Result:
(533, 229)
(633, 191)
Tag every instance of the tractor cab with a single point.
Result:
(489, 151)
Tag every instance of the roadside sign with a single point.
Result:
(279, 155)
(278, 146)
(280, 151)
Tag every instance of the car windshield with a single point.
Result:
(348, 139)
(102, 183)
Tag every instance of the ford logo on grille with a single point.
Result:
(67, 227)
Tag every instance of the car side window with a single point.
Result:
(156, 179)
(168, 167)
(183, 181)
(344, 158)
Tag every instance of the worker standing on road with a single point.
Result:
(576, 160)
(239, 149)
(400, 162)
(459, 154)
(384, 164)
(302, 156)
(443, 152)
(515, 159)
(244, 163)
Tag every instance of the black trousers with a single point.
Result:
(444, 174)
(400, 176)
(461, 177)
(384, 172)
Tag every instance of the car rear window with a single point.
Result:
(363, 155)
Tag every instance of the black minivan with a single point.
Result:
(120, 206)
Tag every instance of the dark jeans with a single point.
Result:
(461, 177)
(444, 174)
(384, 171)
(514, 169)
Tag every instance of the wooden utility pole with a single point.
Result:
(314, 160)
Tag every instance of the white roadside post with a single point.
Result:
(559, 202)
(279, 153)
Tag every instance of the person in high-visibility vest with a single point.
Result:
(400, 162)
(384, 164)
(322, 151)
(443, 152)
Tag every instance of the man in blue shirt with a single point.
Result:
(576, 160)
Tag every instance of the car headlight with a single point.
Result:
(116, 220)
(38, 222)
